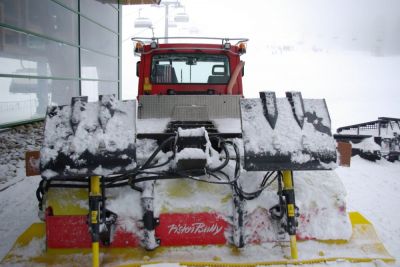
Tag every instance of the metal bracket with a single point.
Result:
(268, 100)
(296, 101)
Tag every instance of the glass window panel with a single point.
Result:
(100, 12)
(96, 66)
(25, 99)
(24, 54)
(95, 37)
(93, 89)
(42, 16)
(69, 3)
(108, 88)
(115, 5)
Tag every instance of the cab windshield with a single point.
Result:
(190, 68)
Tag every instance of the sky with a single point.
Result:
(346, 51)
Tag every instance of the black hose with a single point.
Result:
(120, 185)
(255, 194)
(266, 178)
(162, 164)
(226, 161)
(39, 194)
(241, 193)
(128, 176)
(133, 177)
(151, 178)
(237, 153)
(151, 158)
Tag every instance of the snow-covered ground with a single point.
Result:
(18, 209)
(372, 190)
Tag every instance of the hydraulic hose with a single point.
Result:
(226, 161)
(151, 158)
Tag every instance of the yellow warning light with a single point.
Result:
(242, 48)
(138, 47)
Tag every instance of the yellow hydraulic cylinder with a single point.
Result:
(293, 247)
(95, 189)
(95, 192)
(288, 189)
(95, 254)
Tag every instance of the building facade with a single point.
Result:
(51, 50)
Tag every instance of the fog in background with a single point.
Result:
(347, 52)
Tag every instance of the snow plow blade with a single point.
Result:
(363, 246)
(289, 133)
(89, 138)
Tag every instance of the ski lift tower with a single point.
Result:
(179, 17)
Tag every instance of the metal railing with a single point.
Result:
(157, 39)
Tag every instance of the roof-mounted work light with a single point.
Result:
(227, 46)
(153, 44)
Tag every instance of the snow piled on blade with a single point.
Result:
(318, 108)
(57, 132)
(117, 135)
(287, 138)
(93, 129)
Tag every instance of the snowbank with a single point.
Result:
(367, 145)
(373, 190)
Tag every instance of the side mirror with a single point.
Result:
(137, 68)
